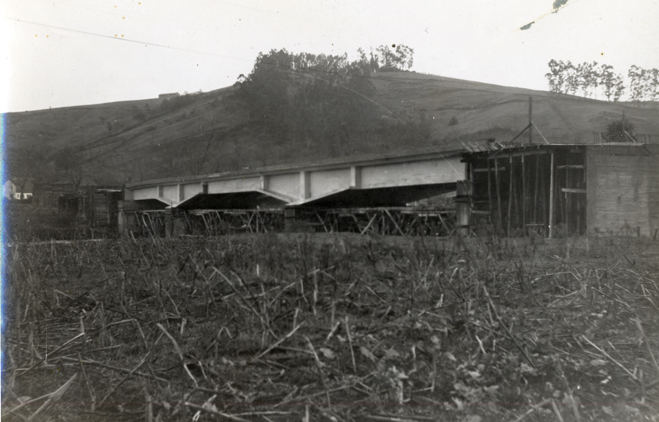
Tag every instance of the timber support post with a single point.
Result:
(289, 219)
(169, 222)
(498, 184)
(126, 218)
(463, 207)
(510, 195)
(551, 197)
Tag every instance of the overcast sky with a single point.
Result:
(63, 53)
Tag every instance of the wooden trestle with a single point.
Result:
(397, 221)
(219, 222)
(149, 222)
(403, 221)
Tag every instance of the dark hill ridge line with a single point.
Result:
(214, 133)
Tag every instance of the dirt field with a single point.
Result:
(332, 327)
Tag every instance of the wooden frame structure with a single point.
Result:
(218, 222)
(523, 190)
(404, 221)
(145, 222)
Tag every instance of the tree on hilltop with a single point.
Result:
(305, 95)
(600, 80)
(398, 57)
(321, 98)
(644, 84)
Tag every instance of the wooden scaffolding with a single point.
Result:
(529, 190)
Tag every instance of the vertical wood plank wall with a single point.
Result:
(515, 194)
(511, 192)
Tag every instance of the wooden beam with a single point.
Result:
(448, 232)
(370, 221)
(551, 196)
(510, 195)
(516, 205)
(518, 153)
(541, 135)
(567, 204)
(571, 190)
(463, 206)
(571, 166)
(535, 191)
(524, 192)
(489, 190)
(521, 132)
(498, 183)
(393, 220)
(483, 170)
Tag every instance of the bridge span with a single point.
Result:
(358, 183)
(390, 181)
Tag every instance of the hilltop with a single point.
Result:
(215, 131)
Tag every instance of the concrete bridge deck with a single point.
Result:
(374, 182)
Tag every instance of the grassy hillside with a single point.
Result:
(213, 132)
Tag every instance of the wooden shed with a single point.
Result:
(564, 190)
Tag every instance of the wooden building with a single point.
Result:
(57, 195)
(98, 207)
(564, 190)
(88, 202)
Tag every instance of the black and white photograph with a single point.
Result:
(329, 210)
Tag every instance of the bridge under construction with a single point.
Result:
(546, 190)
(383, 194)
